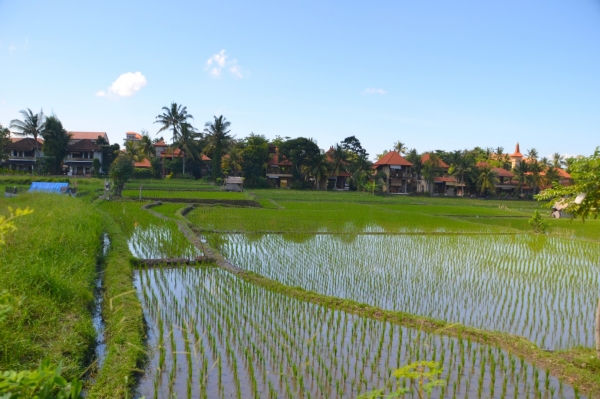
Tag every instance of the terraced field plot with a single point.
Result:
(544, 289)
(215, 336)
(148, 236)
(185, 194)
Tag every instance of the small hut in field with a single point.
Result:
(234, 183)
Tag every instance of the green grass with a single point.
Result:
(124, 325)
(333, 217)
(208, 195)
(169, 208)
(172, 184)
(49, 263)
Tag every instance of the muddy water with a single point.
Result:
(215, 336)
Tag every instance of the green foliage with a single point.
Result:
(56, 140)
(142, 173)
(44, 383)
(425, 373)
(255, 155)
(7, 222)
(537, 224)
(582, 198)
(96, 167)
(120, 171)
(4, 141)
(300, 152)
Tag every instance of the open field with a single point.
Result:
(214, 335)
(185, 194)
(49, 264)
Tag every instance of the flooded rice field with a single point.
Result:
(544, 289)
(213, 335)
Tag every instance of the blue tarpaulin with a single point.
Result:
(48, 187)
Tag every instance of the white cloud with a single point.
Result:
(12, 48)
(218, 62)
(371, 90)
(126, 85)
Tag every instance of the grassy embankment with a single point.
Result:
(49, 264)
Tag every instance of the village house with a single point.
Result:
(279, 169)
(22, 154)
(82, 149)
(443, 184)
(398, 172)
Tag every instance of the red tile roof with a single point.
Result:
(205, 158)
(444, 179)
(24, 144)
(160, 144)
(501, 172)
(134, 134)
(517, 152)
(88, 135)
(392, 158)
(275, 160)
(426, 157)
(144, 163)
(169, 153)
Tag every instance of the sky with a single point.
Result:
(433, 74)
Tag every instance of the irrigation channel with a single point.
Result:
(212, 334)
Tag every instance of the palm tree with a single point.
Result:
(218, 136)
(31, 125)
(233, 161)
(520, 171)
(319, 167)
(557, 160)
(134, 151)
(499, 152)
(146, 145)
(532, 154)
(172, 118)
(400, 147)
(487, 180)
(186, 142)
(339, 160)
(551, 176)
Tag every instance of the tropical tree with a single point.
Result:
(300, 152)
(339, 159)
(319, 167)
(535, 174)
(581, 199)
(400, 147)
(31, 125)
(255, 157)
(430, 169)
(379, 156)
(120, 171)
(4, 142)
(499, 152)
(187, 142)
(487, 180)
(56, 140)
(172, 118)
(134, 151)
(557, 160)
(520, 172)
(232, 163)
(218, 136)
(532, 154)
(551, 176)
(146, 145)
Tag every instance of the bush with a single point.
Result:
(143, 173)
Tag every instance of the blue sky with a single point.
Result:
(433, 74)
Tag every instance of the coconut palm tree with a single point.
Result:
(520, 171)
(146, 145)
(400, 147)
(172, 118)
(31, 125)
(339, 160)
(218, 136)
(134, 151)
(187, 142)
(487, 180)
(319, 167)
(557, 160)
(532, 154)
(233, 161)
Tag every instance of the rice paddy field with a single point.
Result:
(215, 336)
(184, 194)
(473, 263)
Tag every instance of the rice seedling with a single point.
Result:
(255, 343)
(544, 289)
(184, 194)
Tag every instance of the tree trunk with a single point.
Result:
(183, 162)
(598, 330)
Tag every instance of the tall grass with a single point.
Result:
(49, 263)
